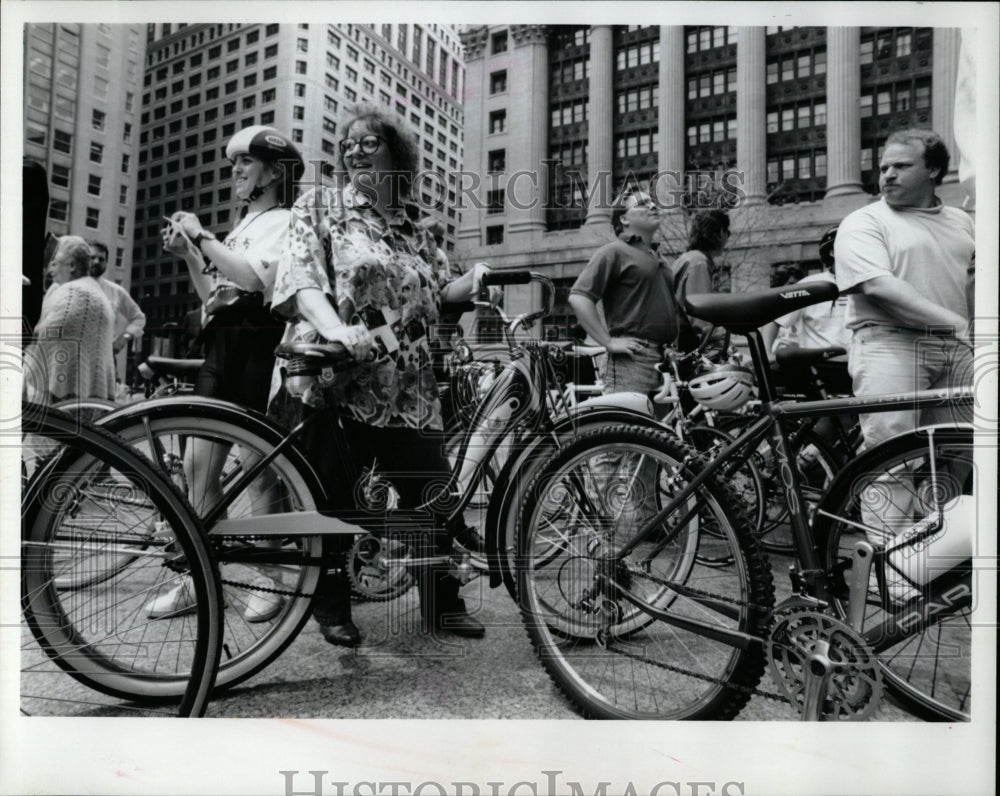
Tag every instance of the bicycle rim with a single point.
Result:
(93, 500)
(928, 671)
(248, 646)
(612, 658)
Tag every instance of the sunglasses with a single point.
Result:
(368, 144)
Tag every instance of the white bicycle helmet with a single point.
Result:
(723, 387)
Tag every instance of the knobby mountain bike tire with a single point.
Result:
(93, 500)
(924, 644)
(587, 609)
(286, 571)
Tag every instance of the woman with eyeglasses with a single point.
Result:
(234, 279)
(360, 270)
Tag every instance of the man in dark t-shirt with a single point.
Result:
(635, 288)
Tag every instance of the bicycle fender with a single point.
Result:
(214, 409)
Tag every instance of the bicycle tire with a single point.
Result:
(928, 672)
(248, 647)
(594, 646)
(91, 495)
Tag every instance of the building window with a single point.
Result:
(297, 136)
(497, 160)
(63, 142)
(122, 194)
(298, 112)
(494, 235)
(121, 225)
(495, 202)
(58, 210)
(125, 163)
(93, 217)
(300, 67)
(96, 153)
(498, 82)
(498, 44)
(498, 121)
(94, 185)
(97, 120)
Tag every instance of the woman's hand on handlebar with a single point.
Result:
(356, 339)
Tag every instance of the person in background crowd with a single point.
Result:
(904, 262)
(817, 326)
(696, 271)
(235, 278)
(360, 272)
(635, 287)
(129, 320)
(71, 354)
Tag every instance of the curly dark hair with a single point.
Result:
(936, 155)
(396, 132)
(707, 229)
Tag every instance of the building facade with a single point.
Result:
(204, 82)
(82, 87)
(797, 117)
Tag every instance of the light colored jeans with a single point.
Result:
(892, 360)
(636, 373)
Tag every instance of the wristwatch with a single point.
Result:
(202, 236)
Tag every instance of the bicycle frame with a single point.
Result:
(811, 578)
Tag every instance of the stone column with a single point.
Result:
(469, 235)
(843, 112)
(600, 116)
(671, 112)
(944, 78)
(751, 100)
(528, 127)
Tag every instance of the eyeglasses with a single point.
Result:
(369, 144)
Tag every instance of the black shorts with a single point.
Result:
(239, 358)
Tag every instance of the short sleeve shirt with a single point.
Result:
(635, 288)
(931, 249)
(818, 325)
(383, 274)
(260, 237)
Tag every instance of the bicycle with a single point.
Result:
(101, 529)
(259, 449)
(626, 629)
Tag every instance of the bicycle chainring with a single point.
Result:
(372, 580)
(799, 632)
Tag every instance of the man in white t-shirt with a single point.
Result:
(130, 320)
(905, 262)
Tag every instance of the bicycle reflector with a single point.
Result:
(723, 387)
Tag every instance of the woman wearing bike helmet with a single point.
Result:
(234, 278)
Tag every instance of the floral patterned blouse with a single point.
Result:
(380, 273)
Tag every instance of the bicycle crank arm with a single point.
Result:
(861, 570)
(818, 672)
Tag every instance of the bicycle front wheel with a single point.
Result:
(636, 635)
(267, 584)
(94, 501)
(924, 644)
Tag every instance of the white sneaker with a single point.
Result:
(176, 601)
(263, 606)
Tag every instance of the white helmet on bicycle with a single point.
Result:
(723, 387)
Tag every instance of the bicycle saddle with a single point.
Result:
(796, 357)
(741, 313)
(167, 366)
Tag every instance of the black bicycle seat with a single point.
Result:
(796, 357)
(167, 366)
(741, 313)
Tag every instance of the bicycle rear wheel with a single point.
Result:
(924, 645)
(283, 572)
(615, 632)
(95, 500)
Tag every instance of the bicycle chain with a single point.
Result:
(705, 677)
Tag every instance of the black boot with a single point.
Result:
(332, 610)
(441, 608)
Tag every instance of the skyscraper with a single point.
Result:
(81, 122)
(203, 82)
(799, 114)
